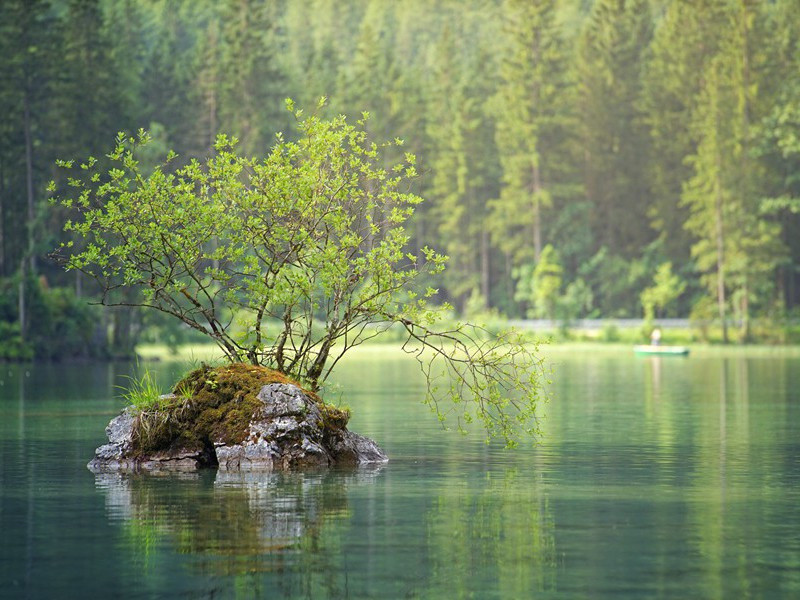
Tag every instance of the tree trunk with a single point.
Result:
(745, 108)
(509, 280)
(29, 176)
(23, 275)
(123, 339)
(720, 240)
(485, 266)
(744, 332)
(315, 372)
(2, 224)
(537, 209)
(718, 220)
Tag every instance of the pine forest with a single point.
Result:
(579, 159)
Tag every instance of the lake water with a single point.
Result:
(655, 478)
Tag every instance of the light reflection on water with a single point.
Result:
(655, 478)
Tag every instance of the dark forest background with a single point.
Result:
(605, 159)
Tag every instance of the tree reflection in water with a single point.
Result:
(503, 521)
(231, 522)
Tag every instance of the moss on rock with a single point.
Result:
(213, 406)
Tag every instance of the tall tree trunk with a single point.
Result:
(29, 176)
(122, 339)
(509, 280)
(744, 331)
(537, 210)
(485, 266)
(720, 241)
(23, 321)
(2, 223)
(745, 162)
(718, 217)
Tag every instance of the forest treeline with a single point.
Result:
(578, 158)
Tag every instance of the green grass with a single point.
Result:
(609, 337)
(143, 393)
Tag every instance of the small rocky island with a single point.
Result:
(235, 417)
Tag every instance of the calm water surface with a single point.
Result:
(656, 478)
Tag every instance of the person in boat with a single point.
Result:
(655, 337)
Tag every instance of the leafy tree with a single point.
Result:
(540, 287)
(576, 302)
(666, 288)
(309, 240)
(586, 125)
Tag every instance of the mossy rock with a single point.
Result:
(216, 405)
(234, 417)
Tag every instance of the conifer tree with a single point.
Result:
(613, 135)
(684, 40)
(531, 110)
(253, 85)
(28, 73)
(463, 173)
(735, 246)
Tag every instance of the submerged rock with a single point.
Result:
(235, 418)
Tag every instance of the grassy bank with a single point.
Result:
(194, 354)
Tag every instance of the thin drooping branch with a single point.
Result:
(489, 378)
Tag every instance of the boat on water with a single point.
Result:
(661, 350)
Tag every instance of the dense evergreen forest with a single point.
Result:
(579, 158)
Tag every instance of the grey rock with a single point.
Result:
(287, 433)
(283, 399)
(120, 428)
(352, 448)
(114, 456)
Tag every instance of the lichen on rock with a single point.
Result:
(234, 417)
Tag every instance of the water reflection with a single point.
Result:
(656, 478)
(236, 522)
(501, 523)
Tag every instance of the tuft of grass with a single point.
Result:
(184, 391)
(143, 394)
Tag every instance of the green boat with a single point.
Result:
(662, 350)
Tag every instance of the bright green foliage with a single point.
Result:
(666, 288)
(315, 227)
(541, 286)
(312, 239)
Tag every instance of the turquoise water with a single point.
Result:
(656, 478)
